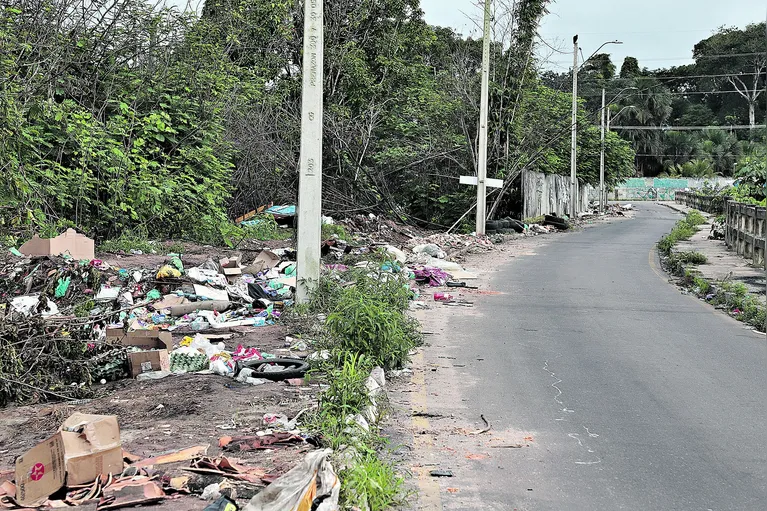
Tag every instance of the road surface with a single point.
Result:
(629, 394)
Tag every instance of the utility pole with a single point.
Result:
(310, 163)
(602, 160)
(574, 128)
(483, 112)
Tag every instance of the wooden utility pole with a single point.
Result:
(310, 164)
(483, 113)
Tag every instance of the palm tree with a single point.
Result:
(721, 148)
(679, 147)
(651, 104)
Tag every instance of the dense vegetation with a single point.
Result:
(122, 117)
(724, 87)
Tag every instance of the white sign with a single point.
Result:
(472, 180)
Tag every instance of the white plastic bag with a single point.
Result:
(296, 490)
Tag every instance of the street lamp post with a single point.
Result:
(574, 126)
(602, 194)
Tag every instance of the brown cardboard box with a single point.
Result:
(84, 447)
(145, 339)
(40, 472)
(70, 242)
(147, 361)
(91, 447)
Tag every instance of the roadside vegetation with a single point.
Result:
(731, 297)
(358, 321)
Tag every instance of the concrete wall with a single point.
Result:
(663, 188)
(549, 194)
(744, 231)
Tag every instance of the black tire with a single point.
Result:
(507, 231)
(295, 368)
(491, 231)
(492, 225)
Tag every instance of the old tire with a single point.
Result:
(294, 368)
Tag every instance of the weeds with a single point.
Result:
(691, 257)
(374, 481)
(330, 230)
(683, 230)
(126, 243)
(363, 324)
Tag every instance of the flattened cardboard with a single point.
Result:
(69, 242)
(144, 339)
(148, 361)
(91, 447)
(40, 472)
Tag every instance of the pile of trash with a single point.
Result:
(67, 323)
(84, 464)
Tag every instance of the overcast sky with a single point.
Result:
(660, 33)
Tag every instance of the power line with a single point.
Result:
(688, 128)
(723, 55)
(670, 93)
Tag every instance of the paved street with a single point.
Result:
(635, 396)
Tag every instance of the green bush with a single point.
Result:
(692, 257)
(330, 230)
(362, 323)
(683, 230)
(373, 481)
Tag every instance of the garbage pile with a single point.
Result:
(66, 324)
(84, 465)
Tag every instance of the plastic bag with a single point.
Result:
(298, 489)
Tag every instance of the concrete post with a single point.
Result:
(483, 114)
(574, 128)
(310, 166)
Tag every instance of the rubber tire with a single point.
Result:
(488, 232)
(492, 225)
(517, 226)
(507, 231)
(297, 372)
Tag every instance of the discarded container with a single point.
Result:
(70, 242)
(147, 361)
(442, 297)
(85, 447)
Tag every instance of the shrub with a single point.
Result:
(692, 257)
(373, 481)
(364, 324)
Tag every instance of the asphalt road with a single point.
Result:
(636, 396)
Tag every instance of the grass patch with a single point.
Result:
(126, 243)
(374, 481)
(691, 257)
(683, 230)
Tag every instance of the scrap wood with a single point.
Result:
(227, 468)
(182, 455)
(131, 493)
(253, 443)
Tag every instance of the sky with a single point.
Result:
(660, 33)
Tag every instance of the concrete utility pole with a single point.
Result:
(310, 166)
(602, 160)
(483, 112)
(574, 128)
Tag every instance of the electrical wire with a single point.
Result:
(687, 128)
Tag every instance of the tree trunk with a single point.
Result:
(752, 114)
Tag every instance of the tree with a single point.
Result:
(630, 68)
(739, 54)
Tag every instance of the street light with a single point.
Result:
(602, 194)
(574, 137)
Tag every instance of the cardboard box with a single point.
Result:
(85, 447)
(40, 472)
(147, 361)
(144, 339)
(70, 242)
